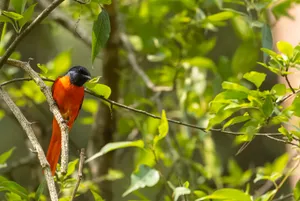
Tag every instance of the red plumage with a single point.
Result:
(69, 99)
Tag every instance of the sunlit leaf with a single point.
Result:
(6, 155)
(296, 191)
(227, 194)
(71, 167)
(90, 105)
(236, 120)
(101, 31)
(99, 89)
(163, 128)
(96, 196)
(14, 187)
(43, 68)
(255, 77)
(221, 16)
(279, 89)
(285, 48)
(143, 177)
(116, 145)
(27, 15)
(12, 15)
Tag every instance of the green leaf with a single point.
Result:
(245, 58)
(267, 39)
(99, 89)
(163, 128)
(90, 105)
(144, 176)
(27, 15)
(242, 28)
(285, 48)
(18, 5)
(179, 191)
(234, 86)
(43, 68)
(268, 106)
(12, 186)
(296, 191)
(12, 15)
(236, 120)
(102, 1)
(227, 194)
(40, 190)
(101, 31)
(94, 80)
(71, 167)
(255, 77)
(116, 145)
(62, 62)
(6, 155)
(279, 89)
(96, 196)
(221, 16)
(296, 106)
(5, 19)
(269, 52)
(201, 62)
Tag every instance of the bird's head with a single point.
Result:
(79, 75)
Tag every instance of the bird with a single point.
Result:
(68, 94)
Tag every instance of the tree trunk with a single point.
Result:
(105, 122)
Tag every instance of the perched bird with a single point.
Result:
(68, 93)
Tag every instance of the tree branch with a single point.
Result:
(79, 178)
(26, 125)
(134, 64)
(53, 108)
(272, 136)
(68, 23)
(27, 30)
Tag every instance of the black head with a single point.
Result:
(79, 75)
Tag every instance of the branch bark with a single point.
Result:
(53, 108)
(104, 127)
(80, 168)
(27, 30)
(26, 125)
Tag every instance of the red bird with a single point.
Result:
(68, 93)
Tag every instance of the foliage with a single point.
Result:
(217, 87)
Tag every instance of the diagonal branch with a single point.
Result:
(272, 136)
(79, 177)
(68, 23)
(134, 64)
(53, 108)
(37, 147)
(27, 30)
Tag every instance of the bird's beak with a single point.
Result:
(87, 77)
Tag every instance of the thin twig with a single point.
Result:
(27, 30)
(287, 175)
(269, 135)
(68, 23)
(26, 125)
(53, 108)
(79, 177)
(284, 197)
(288, 82)
(133, 62)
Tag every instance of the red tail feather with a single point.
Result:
(54, 146)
